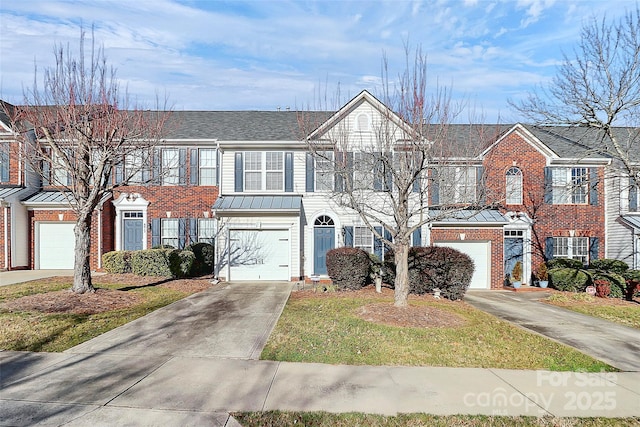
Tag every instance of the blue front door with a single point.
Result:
(513, 252)
(324, 240)
(132, 234)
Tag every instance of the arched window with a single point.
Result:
(514, 186)
(324, 220)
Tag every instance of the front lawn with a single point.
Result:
(322, 419)
(626, 313)
(43, 315)
(327, 328)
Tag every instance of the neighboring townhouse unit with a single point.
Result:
(246, 182)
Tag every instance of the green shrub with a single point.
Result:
(564, 263)
(609, 265)
(615, 281)
(569, 279)
(117, 262)
(186, 263)
(156, 262)
(203, 262)
(348, 267)
(632, 284)
(435, 267)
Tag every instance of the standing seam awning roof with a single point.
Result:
(632, 220)
(258, 203)
(8, 191)
(489, 216)
(46, 197)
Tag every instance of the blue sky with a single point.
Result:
(261, 55)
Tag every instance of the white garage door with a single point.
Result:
(259, 255)
(55, 245)
(480, 253)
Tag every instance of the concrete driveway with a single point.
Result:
(19, 276)
(615, 344)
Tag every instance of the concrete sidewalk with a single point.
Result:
(193, 362)
(615, 344)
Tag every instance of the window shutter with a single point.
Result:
(194, 167)
(157, 167)
(593, 248)
(193, 230)
(388, 176)
(68, 152)
(416, 184)
(339, 172)
(377, 243)
(4, 163)
(378, 171)
(310, 173)
(155, 232)
(387, 235)
(434, 190)
(548, 188)
(288, 172)
(548, 248)
(217, 167)
(46, 172)
(146, 167)
(633, 195)
(238, 173)
(480, 193)
(593, 186)
(182, 167)
(349, 175)
(182, 232)
(348, 235)
(417, 237)
(120, 172)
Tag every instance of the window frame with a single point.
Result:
(263, 169)
(568, 187)
(212, 176)
(165, 230)
(514, 186)
(362, 232)
(324, 178)
(461, 188)
(211, 228)
(170, 167)
(571, 248)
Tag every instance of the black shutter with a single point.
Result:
(339, 172)
(548, 248)
(146, 166)
(434, 189)
(120, 172)
(480, 193)
(4, 162)
(378, 171)
(633, 195)
(417, 237)
(349, 175)
(348, 235)
(288, 172)
(193, 167)
(593, 186)
(593, 248)
(388, 176)
(548, 185)
(46, 172)
(238, 173)
(182, 166)
(416, 184)
(157, 167)
(387, 236)
(310, 173)
(182, 232)
(377, 243)
(193, 230)
(155, 232)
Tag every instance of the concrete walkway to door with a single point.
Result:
(615, 344)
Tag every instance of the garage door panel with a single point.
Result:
(55, 245)
(259, 255)
(480, 253)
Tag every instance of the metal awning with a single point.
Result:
(468, 217)
(632, 220)
(258, 204)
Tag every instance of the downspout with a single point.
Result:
(100, 238)
(5, 205)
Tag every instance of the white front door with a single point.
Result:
(480, 253)
(259, 255)
(55, 245)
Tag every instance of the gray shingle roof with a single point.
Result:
(259, 203)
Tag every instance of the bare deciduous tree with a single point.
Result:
(408, 170)
(77, 129)
(597, 88)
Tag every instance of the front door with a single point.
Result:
(133, 227)
(513, 251)
(324, 241)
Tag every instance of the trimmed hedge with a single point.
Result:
(156, 262)
(117, 262)
(203, 262)
(348, 267)
(609, 265)
(435, 267)
(565, 263)
(569, 279)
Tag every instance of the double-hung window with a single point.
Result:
(457, 184)
(169, 233)
(133, 165)
(363, 238)
(264, 171)
(207, 166)
(206, 230)
(324, 171)
(60, 174)
(170, 166)
(571, 247)
(569, 185)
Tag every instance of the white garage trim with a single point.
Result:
(259, 254)
(480, 253)
(54, 246)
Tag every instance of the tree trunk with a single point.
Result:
(401, 295)
(81, 267)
